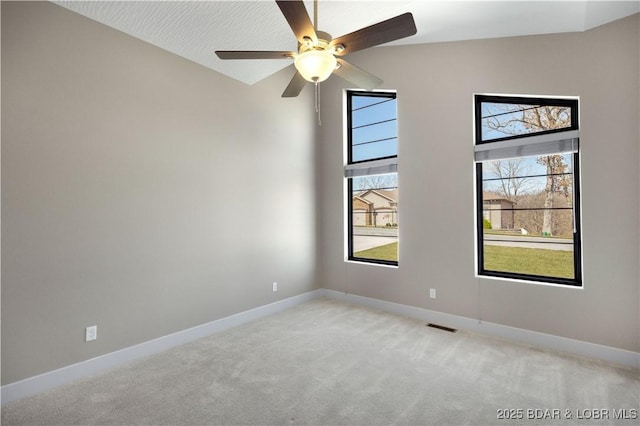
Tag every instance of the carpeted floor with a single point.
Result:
(329, 363)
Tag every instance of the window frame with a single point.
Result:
(516, 100)
(385, 160)
(571, 103)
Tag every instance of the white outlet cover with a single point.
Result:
(91, 333)
(275, 286)
(432, 293)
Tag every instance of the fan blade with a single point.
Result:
(383, 32)
(295, 86)
(248, 54)
(357, 75)
(296, 15)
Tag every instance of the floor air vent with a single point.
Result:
(442, 327)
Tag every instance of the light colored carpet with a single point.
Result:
(329, 363)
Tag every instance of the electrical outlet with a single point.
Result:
(432, 293)
(275, 287)
(91, 333)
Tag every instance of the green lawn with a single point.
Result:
(543, 262)
(386, 252)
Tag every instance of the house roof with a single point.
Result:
(364, 200)
(389, 194)
(492, 196)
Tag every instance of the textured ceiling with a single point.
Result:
(195, 29)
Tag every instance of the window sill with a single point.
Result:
(379, 265)
(523, 281)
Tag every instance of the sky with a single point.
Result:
(374, 124)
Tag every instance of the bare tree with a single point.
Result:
(531, 218)
(513, 119)
(364, 183)
(546, 118)
(557, 182)
(513, 177)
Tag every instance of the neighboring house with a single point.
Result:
(375, 207)
(498, 210)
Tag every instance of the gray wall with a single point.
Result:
(140, 192)
(435, 85)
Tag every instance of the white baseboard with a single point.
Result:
(42, 382)
(576, 347)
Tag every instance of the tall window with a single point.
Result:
(527, 188)
(372, 179)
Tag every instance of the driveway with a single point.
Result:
(364, 242)
(547, 243)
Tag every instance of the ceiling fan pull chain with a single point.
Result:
(317, 96)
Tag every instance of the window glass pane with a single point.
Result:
(527, 212)
(373, 129)
(503, 120)
(374, 217)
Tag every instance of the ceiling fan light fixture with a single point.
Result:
(315, 65)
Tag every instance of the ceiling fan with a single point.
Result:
(319, 55)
